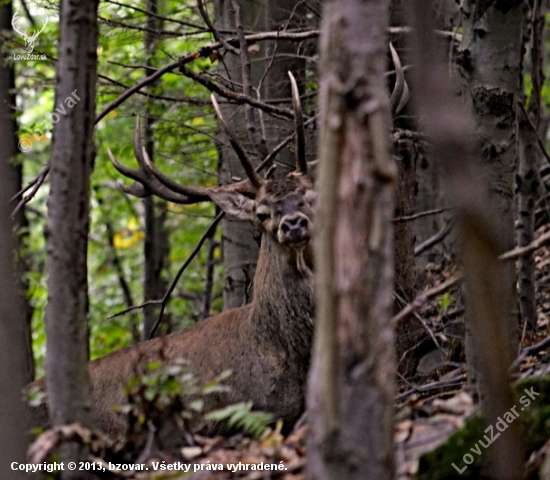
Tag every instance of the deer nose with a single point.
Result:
(295, 228)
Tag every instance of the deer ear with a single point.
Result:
(234, 203)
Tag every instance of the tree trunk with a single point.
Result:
(15, 355)
(528, 181)
(68, 221)
(156, 243)
(269, 64)
(351, 387)
(447, 128)
(240, 239)
(490, 62)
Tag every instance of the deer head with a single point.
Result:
(29, 40)
(281, 209)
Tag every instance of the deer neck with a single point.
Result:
(283, 309)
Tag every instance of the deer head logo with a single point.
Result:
(29, 40)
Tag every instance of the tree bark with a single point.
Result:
(15, 354)
(269, 64)
(447, 128)
(351, 387)
(156, 243)
(240, 239)
(68, 221)
(490, 62)
(528, 180)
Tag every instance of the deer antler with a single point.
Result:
(301, 163)
(251, 173)
(400, 94)
(46, 19)
(14, 19)
(149, 180)
(29, 40)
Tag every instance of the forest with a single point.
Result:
(295, 239)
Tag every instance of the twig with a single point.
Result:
(166, 297)
(238, 98)
(517, 252)
(425, 325)
(135, 307)
(530, 351)
(204, 14)
(422, 298)
(428, 387)
(434, 239)
(35, 185)
(408, 218)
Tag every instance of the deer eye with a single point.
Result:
(262, 217)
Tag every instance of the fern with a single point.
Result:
(241, 416)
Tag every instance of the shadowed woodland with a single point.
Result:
(293, 239)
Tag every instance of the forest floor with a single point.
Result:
(429, 407)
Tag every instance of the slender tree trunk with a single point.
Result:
(447, 128)
(72, 160)
(15, 356)
(352, 380)
(528, 179)
(240, 239)
(269, 66)
(156, 244)
(490, 62)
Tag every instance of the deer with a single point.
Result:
(266, 344)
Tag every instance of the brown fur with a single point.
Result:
(266, 344)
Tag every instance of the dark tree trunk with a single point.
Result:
(156, 244)
(269, 67)
(15, 354)
(490, 62)
(68, 221)
(240, 240)
(528, 182)
(447, 128)
(351, 390)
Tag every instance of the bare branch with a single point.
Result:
(33, 185)
(204, 14)
(251, 173)
(257, 139)
(209, 232)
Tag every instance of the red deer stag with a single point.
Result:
(266, 344)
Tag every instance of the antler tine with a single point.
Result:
(147, 166)
(400, 94)
(149, 181)
(251, 173)
(146, 185)
(301, 163)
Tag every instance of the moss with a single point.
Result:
(535, 417)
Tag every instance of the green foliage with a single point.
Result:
(241, 416)
(157, 395)
(446, 301)
(184, 149)
(167, 394)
